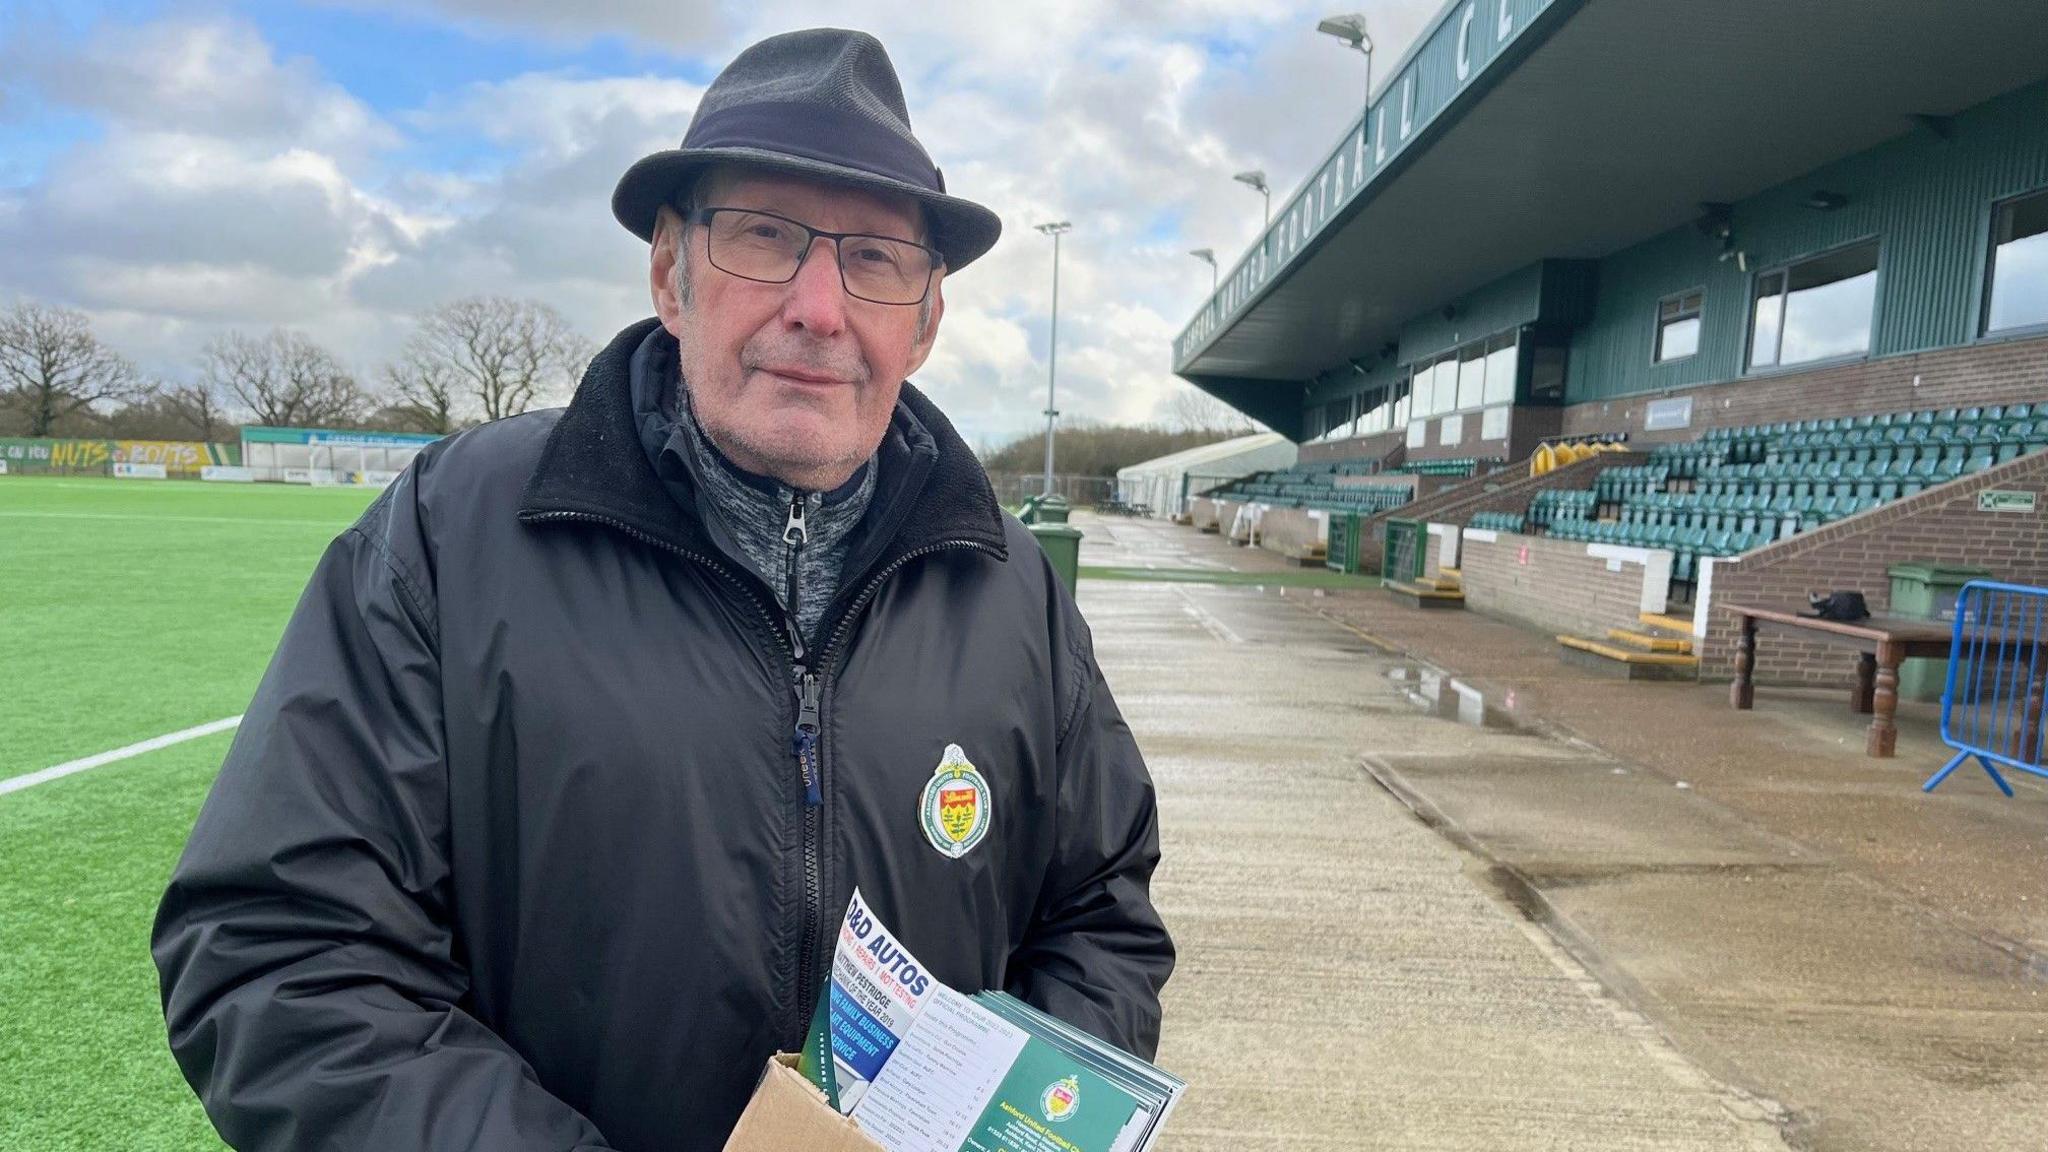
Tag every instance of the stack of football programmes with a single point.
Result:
(922, 1068)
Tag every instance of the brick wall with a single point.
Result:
(1389, 448)
(1510, 490)
(1297, 533)
(1556, 585)
(1529, 427)
(1941, 525)
(1469, 441)
(1973, 375)
(1226, 516)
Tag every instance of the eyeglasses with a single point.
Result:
(768, 248)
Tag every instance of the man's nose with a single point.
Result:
(817, 296)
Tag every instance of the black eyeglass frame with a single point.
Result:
(704, 216)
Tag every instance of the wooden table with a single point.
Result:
(1881, 642)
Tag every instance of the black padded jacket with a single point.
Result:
(512, 850)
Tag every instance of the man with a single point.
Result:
(538, 828)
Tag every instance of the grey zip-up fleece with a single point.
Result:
(755, 511)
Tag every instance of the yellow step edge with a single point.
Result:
(1628, 655)
(1648, 642)
(1669, 623)
(1453, 573)
(1424, 590)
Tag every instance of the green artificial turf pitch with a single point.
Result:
(128, 609)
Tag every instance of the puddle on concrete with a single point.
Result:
(1449, 698)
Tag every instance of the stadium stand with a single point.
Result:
(1459, 466)
(1736, 489)
(1497, 521)
(1314, 486)
(1703, 400)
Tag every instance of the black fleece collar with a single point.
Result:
(593, 467)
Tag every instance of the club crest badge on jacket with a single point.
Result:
(956, 806)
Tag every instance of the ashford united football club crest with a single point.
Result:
(955, 807)
(1061, 1100)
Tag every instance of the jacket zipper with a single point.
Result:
(807, 709)
(803, 743)
(814, 912)
(805, 740)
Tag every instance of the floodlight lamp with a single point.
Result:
(1054, 228)
(1349, 28)
(1205, 255)
(1256, 179)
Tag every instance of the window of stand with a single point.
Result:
(1367, 413)
(1817, 309)
(1678, 325)
(1337, 418)
(2016, 292)
(1474, 375)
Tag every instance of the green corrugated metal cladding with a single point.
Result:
(1551, 292)
(1927, 201)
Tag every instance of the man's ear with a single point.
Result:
(923, 348)
(661, 268)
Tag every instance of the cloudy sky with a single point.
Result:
(180, 169)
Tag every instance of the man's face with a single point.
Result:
(797, 380)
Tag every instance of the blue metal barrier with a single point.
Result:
(1997, 678)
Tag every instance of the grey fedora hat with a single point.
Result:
(823, 103)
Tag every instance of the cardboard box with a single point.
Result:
(787, 1114)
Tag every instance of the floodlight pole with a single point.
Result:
(1350, 29)
(1256, 181)
(1052, 361)
(1207, 256)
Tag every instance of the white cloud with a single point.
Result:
(677, 23)
(234, 189)
(225, 188)
(197, 77)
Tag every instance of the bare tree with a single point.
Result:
(284, 379)
(53, 367)
(200, 407)
(424, 390)
(1190, 409)
(506, 353)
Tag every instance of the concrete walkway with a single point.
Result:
(1348, 978)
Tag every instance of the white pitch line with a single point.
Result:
(31, 779)
(1207, 619)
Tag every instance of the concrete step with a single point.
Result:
(1627, 663)
(1651, 641)
(1426, 594)
(1682, 625)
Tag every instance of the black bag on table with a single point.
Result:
(1847, 607)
